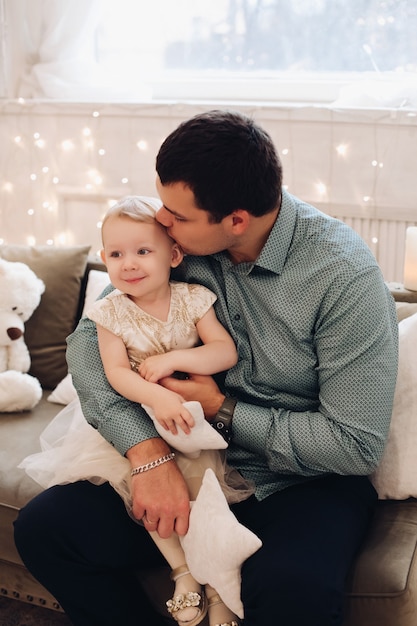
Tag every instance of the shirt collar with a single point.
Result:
(275, 251)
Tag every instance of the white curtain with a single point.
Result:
(49, 51)
(47, 42)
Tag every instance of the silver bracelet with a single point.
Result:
(152, 464)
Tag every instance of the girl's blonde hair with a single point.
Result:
(138, 208)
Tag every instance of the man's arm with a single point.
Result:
(356, 348)
(160, 494)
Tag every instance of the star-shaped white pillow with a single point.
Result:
(216, 544)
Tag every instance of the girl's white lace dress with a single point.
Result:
(73, 450)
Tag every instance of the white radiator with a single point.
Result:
(386, 239)
(384, 233)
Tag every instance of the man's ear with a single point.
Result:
(239, 221)
(177, 255)
(103, 256)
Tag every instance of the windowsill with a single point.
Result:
(350, 91)
(292, 111)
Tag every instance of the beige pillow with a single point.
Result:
(405, 309)
(62, 271)
(97, 281)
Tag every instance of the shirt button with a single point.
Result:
(237, 317)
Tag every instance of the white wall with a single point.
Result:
(359, 165)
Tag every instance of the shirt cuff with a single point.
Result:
(253, 419)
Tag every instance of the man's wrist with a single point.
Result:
(222, 421)
(147, 450)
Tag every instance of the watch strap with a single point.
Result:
(222, 422)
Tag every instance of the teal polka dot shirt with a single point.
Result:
(316, 332)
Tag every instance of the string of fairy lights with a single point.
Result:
(50, 162)
(63, 165)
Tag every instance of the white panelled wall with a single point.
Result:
(61, 163)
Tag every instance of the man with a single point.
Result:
(308, 404)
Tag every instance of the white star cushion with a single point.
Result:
(202, 435)
(216, 544)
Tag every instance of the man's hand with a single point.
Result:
(198, 387)
(159, 496)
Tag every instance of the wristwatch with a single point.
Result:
(223, 419)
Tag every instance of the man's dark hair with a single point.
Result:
(228, 162)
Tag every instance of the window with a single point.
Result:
(235, 49)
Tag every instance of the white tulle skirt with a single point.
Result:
(72, 450)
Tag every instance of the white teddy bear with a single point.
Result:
(20, 294)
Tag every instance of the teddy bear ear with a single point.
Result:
(41, 286)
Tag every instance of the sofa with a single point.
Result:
(382, 586)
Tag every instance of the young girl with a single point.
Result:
(154, 318)
(149, 328)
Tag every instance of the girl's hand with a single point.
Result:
(156, 367)
(170, 412)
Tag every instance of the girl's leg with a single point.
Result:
(185, 583)
(188, 605)
(81, 544)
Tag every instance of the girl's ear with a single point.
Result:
(177, 255)
(103, 256)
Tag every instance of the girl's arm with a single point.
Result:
(217, 353)
(167, 405)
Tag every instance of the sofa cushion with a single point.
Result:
(62, 271)
(382, 585)
(405, 309)
(19, 437)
